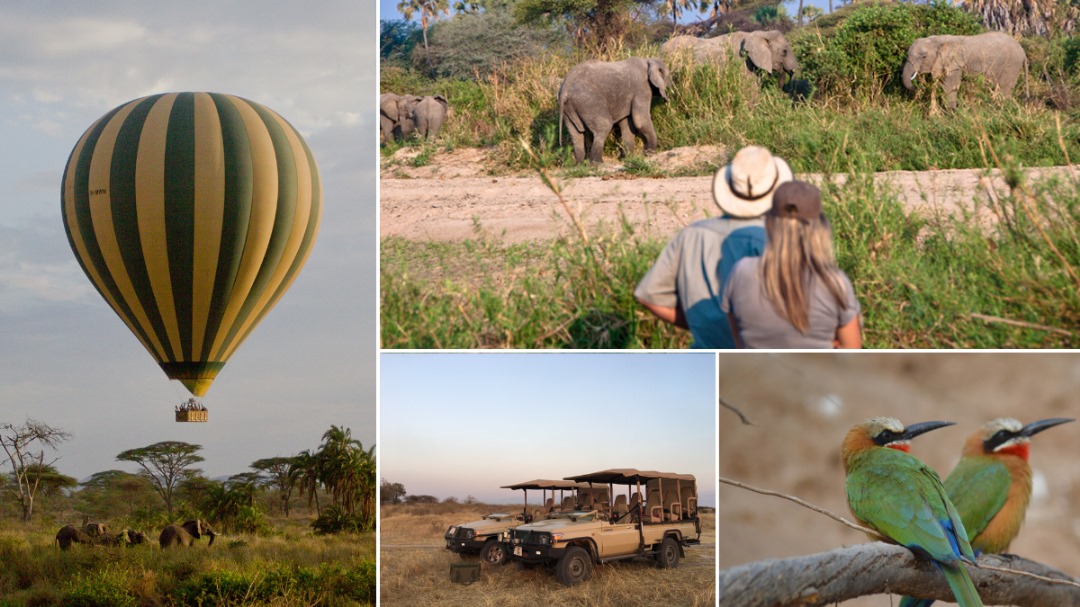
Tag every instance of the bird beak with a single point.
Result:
(1043, 424)
(914, 430)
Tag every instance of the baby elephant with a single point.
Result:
(430, 114)
(184, 535)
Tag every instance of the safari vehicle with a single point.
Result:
(482, 536)
(660, 527)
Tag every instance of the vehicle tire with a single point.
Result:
(574, 567)
(494, 552)
(668, 555)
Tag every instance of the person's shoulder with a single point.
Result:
(746, 264)
(723, 225)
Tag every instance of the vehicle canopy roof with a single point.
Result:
(628, 476)
(542, 483)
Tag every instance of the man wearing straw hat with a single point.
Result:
(685, 285)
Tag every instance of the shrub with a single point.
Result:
(864, 57)
(103, 587)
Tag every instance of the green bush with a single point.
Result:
(104, 587)
(862, 59)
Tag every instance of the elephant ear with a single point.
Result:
(756, 46)
(442, 100)
(389, 107)
(658, 76)
(942, 59)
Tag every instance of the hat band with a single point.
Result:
(750, 188)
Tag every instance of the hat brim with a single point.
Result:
(736, 206)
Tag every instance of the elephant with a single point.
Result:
(127, 537)
(96, 529)
(184, 535)
(70, 534)
(429, 115)
(595, 95)
(396, 115)
(994, 55)
(767, 51)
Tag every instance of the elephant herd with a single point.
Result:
(171, 536)
(402, 115)
(595, 96)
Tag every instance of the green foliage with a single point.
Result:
(334, 519)
(325, 584)
(397, 39)
(568, 293)
(104, 587)
(864, 55)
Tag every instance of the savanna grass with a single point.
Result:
(237, 570)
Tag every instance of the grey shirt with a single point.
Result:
(691, 271)
(761, 327)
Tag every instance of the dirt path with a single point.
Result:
(451, 196)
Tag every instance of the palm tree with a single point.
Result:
(348, 472)
(1023, 17)
(428, 10)
(304, 470)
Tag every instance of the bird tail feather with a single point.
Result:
(962, 586)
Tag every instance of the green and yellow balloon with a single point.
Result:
(192, 214)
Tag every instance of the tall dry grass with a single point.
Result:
(415, 569)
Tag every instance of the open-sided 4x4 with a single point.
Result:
(482, 537)
(659, 527)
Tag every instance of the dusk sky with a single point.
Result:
(460, 424)
(65, 358)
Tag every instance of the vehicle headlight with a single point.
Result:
(469, 533)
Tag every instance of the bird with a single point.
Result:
(991, 485)
(901, 498)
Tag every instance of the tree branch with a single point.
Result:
(879, 568)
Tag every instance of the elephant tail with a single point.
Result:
(562, 101)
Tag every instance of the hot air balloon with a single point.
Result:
(192, 214)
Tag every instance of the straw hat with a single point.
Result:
(744, 188)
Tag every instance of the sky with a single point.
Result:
(65, 358)
(461, 424)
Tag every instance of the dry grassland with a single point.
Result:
(415, 569)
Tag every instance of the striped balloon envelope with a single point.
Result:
(191, 213)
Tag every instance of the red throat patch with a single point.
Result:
(1019, 450)
(905, 447)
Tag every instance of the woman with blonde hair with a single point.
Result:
(794, 295)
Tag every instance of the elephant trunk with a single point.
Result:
(212, 536)
(908, 76)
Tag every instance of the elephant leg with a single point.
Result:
(599, 135)
(951, 86)
(627, 135)
(577, 139)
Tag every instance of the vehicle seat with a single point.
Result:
(655, 507)
(569, 503)
(689, 502)
(672, 506)
(549, 505)
(620, 507)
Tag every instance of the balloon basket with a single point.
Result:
(192, 416)
(191, 411)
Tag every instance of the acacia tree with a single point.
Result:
(276, 473)
(28, 466)
(165, 465)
